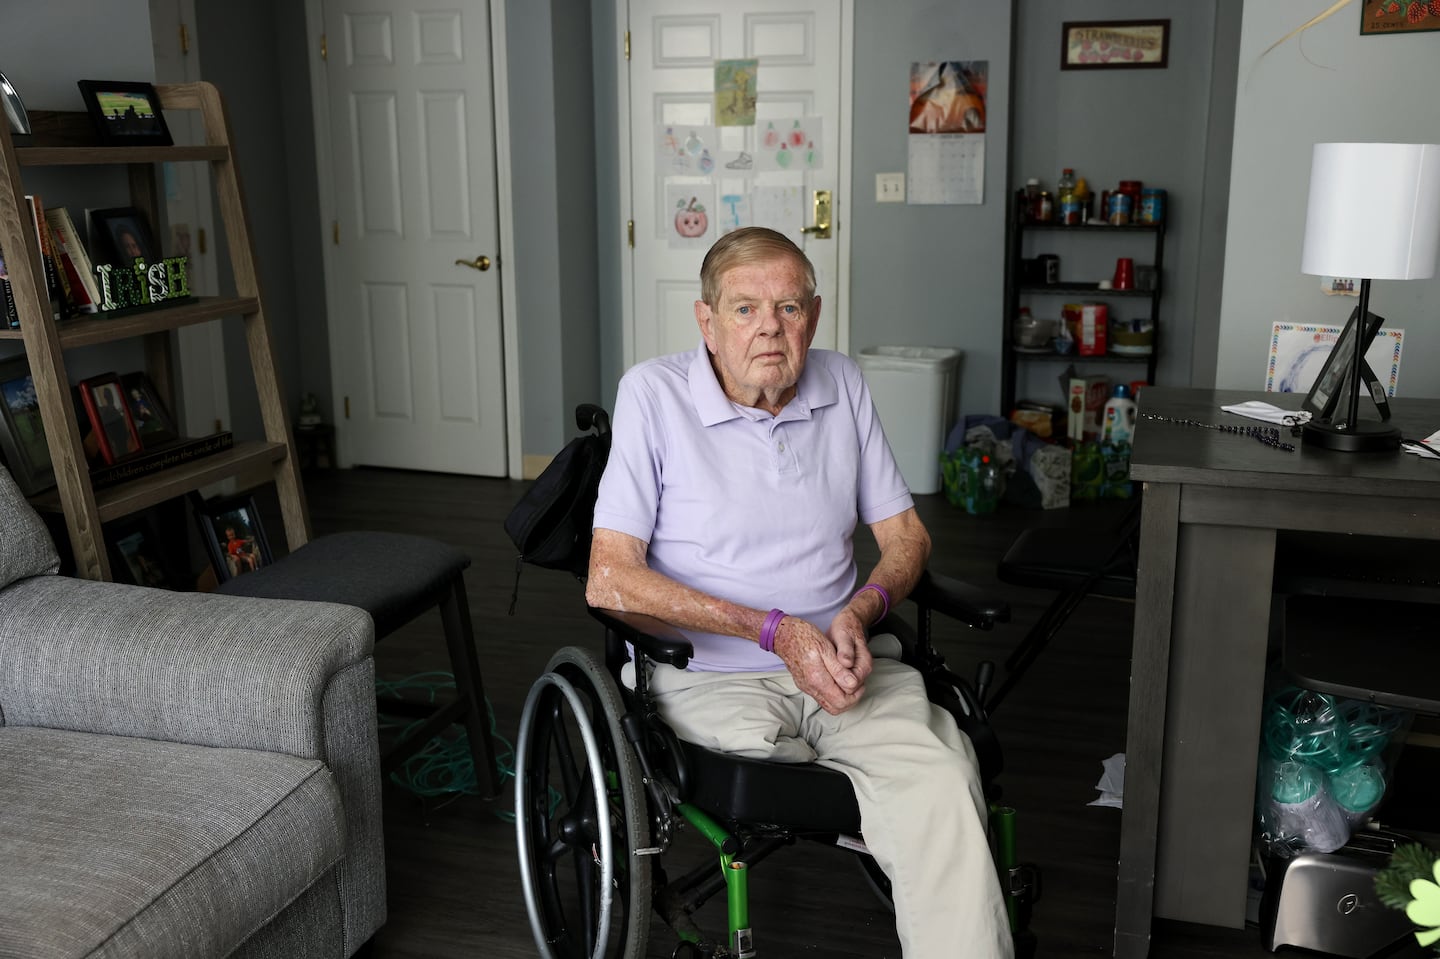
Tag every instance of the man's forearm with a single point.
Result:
(643, 590)
(902, 560)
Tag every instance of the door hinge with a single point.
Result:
(324, 50)
(627, 44)
(335, 231)
(184, 40)
(630, 232)
(200, 243)
(347, 407)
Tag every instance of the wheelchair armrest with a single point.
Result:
(653, 637)
(961, 601)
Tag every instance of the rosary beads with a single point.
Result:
(1268, 435)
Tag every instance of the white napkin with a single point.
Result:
(1112, 783)
(1426, 449)
(1265, 412)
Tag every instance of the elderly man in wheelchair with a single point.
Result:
(722, 545)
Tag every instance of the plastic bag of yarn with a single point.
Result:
(1296, 812)
(1321, 774)
(1357, 791)
(1301, 725)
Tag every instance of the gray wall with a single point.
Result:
(1166, 128)
(928, 275)
(552, 276)
(1328, 84)
(266, 98)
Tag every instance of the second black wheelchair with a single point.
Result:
(603, 786)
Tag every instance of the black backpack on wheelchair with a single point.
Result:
(602, 784)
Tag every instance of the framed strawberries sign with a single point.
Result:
(1115, 44)
(1399, 16)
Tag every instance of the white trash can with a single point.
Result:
(914, 388)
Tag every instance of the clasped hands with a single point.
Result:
(830, 668)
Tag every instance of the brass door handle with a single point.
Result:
(481, 263)
(821, 229)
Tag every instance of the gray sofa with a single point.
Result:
(181, 775)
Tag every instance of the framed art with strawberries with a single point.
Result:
(1379, 17)
(1115, 44)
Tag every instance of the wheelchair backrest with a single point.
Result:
(551, 525)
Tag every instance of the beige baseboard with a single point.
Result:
(533, 464)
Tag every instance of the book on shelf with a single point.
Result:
(178, 451)
(74, 261)
(9, 315)
(47, 260)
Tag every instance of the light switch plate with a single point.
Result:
(889, 188)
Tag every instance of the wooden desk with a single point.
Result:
(1213, 502)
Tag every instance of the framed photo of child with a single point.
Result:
(234, 537)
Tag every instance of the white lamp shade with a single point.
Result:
(1374, 211)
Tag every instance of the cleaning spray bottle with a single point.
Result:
(1119, 422)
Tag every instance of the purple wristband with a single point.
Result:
(884, 597)
(767, 632)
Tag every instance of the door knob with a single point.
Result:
(821, 229)
(481, 263)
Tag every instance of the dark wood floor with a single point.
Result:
(453, 880)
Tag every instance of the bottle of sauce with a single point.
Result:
(1032, 198)
(1068, 208)
(1083, 197)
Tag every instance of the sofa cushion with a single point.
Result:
(25, 545)
(121, 847)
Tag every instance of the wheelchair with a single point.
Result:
(603, 787)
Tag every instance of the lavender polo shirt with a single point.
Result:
(753, 508)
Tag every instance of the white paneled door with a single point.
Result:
(415, 325)
(802, 50)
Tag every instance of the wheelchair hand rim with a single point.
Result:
(522, 814)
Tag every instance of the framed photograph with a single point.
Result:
(1332, 385)
(1115, 44)
(103, 398)
(120, 235)
(14, 108)
(1380, 17)
(152, 420)
(124, 113)
(230, 527)
(137, 554)
(22, 433)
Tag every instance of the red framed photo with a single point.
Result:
(110, 422)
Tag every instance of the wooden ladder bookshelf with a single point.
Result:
(46, 341)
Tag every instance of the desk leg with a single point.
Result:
(1144, 739)
(1212, 722)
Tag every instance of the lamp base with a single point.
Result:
(1364, 436)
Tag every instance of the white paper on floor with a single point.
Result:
(1112, 783)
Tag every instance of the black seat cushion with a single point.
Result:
(805, 797)
(1056, 557)
(392, 576)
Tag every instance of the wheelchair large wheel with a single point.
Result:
(580, 814)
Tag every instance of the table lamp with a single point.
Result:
(1373, 214)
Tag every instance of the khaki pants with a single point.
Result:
(922, 809)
